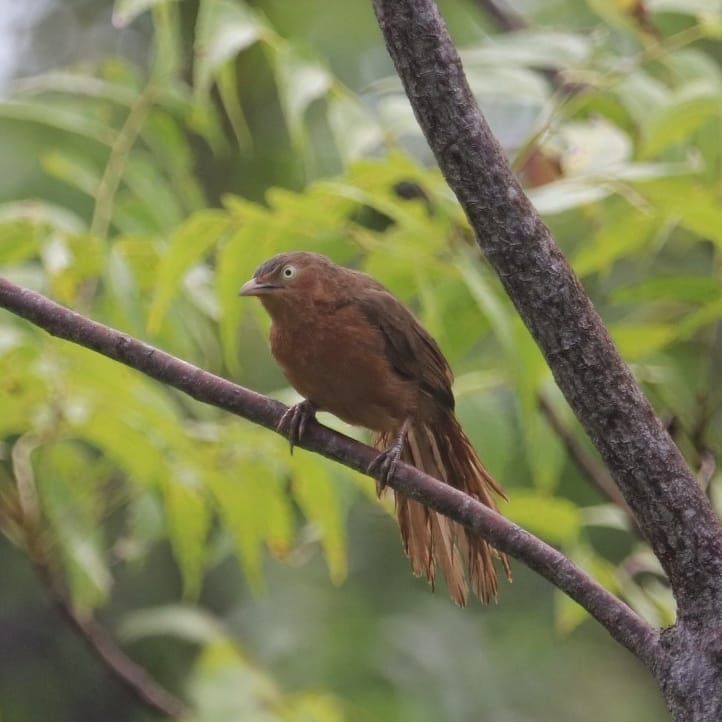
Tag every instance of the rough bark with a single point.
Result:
(668, 505)
(621, 622)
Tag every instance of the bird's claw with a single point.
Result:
(383, 467)
(293, 423)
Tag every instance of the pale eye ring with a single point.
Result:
(288, 272)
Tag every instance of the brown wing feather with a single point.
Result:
(412, 351)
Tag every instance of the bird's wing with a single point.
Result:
(412, 351)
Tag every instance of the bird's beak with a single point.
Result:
(254, 288)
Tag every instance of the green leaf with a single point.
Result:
(144, 527)
(688, 201)
(182, 621)
(188, 244)
(622, 235)
(146, 182)
(698, 8)
(683, 113)
(114, 437)
(315, 491)
(532, 49)
(491, 303)
(118, 409)
(598, 147)
(238, 257)
(354, 129)
(18, 241)
(641, 94)
(503, 90)
(139, 257)
(227, 83)
(24, 386)
(224, 28)
(686, 289)
(637, 340)
(70, 261)
(300, 80)
(566, 194)
(253, 507)
(167, 139)
(168, 55)
(527, 371)
(702, 214)
(70, 486)
(125, 11)
(489, 421)
(544, 452)
(567, 613)
(38, 212)
(76, 84)
(660, 595)
(691, 64)
(610, 516)
(225, 687)
(397, 116)
(710, 313)
(554, 519)
(188, 520)
(75, 170)
(315, 707)
(60, 116)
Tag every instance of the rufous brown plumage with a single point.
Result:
(348, 346)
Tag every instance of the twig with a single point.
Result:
(510, 22)
(505, 18)
(595, 472)
(28, 521)
(613, 614)
(134, 677)
(117, 160)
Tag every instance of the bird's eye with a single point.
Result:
(288, 272)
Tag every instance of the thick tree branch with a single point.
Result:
(671, 510)
(619, 620)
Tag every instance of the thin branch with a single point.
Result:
(595, 472)
(102, 645)
(29, 524)
(621, 622)
(505, 18)
(671, 510)
(117, 160)
(510, 22)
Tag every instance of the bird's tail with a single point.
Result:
(431, 540)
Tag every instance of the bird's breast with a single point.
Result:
(339, 362)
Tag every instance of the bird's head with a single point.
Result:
(289, 279)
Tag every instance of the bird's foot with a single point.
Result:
(384, 466)
(293, 423)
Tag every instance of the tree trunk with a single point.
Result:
(668, 505)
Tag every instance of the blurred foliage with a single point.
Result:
(145, 190)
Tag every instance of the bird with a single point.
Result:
(348, 346)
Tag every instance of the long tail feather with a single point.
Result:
(431, 540)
